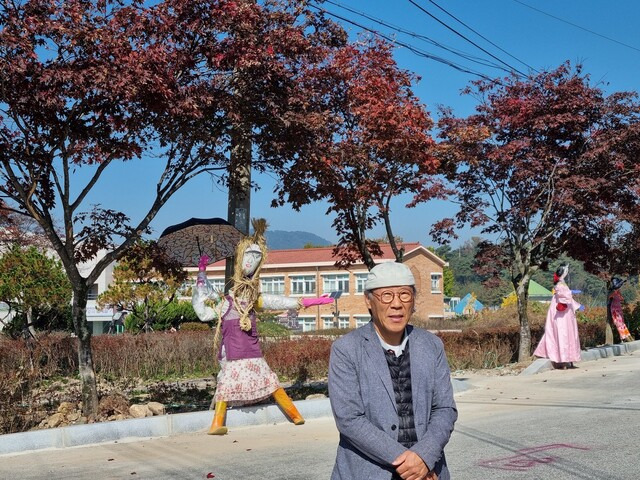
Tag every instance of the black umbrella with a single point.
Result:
(186, 242)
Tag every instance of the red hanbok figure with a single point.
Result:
(614, 305)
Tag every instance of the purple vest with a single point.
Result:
(237, 343)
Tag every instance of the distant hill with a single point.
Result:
(283, 240)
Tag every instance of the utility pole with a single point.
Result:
(239, 200)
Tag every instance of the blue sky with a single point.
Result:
(535, 38)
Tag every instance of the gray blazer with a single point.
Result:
(364, 407)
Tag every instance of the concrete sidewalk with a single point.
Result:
(167, 425)
(596, 353)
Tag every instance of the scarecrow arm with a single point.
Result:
(267, 301)
(280, 302)
(205, 300)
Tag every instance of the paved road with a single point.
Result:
(573, 424)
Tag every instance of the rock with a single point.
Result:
(156, 408)
(55, 420)
(140, 411)
(66, 408)
(113, 404)
(73, 417)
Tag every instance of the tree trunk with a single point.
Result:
(30, 326)
(608, 335)
(608, 331)
(85, 357)
(239, 198)
(522, 294)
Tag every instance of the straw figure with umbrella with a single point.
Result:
(244, 376)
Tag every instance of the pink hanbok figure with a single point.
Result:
(615, 310)
(560, 342)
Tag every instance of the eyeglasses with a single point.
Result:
(388, 296)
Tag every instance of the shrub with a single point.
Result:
(194, 327)
(23, 366)
(299, 360)
(481, 348)
(175, 314)
(156, 355)
(596, 315)
(632, 319)
(272, 329)
(327, 332)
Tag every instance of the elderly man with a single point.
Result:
(390, 389)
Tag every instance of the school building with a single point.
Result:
(311, 272)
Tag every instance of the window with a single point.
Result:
(435, 282)
(362, 320)
(336, 283)
(93, 292)
(328, 322)
(361, 278)
(217, 284)
(307, 323)
(273, 285)
(303, 285)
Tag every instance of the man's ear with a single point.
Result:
(367, 301)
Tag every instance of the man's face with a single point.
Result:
(390, 319)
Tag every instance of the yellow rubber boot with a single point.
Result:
(287, 405)
(217, 426)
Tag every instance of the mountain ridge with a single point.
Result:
(286, 240)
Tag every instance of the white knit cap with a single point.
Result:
(389, 274)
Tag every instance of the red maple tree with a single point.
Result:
(528, 174)
(88, 83)
(609, 244)
(376, 147)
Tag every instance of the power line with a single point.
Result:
(513, 69)
(419, 36)
(411, 48)
(482, 36)
(578, 26)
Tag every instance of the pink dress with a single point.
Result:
(560, 342)
(245, 376)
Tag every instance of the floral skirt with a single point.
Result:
(245, 381)
(618, 321)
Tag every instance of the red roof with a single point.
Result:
(319, 255)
